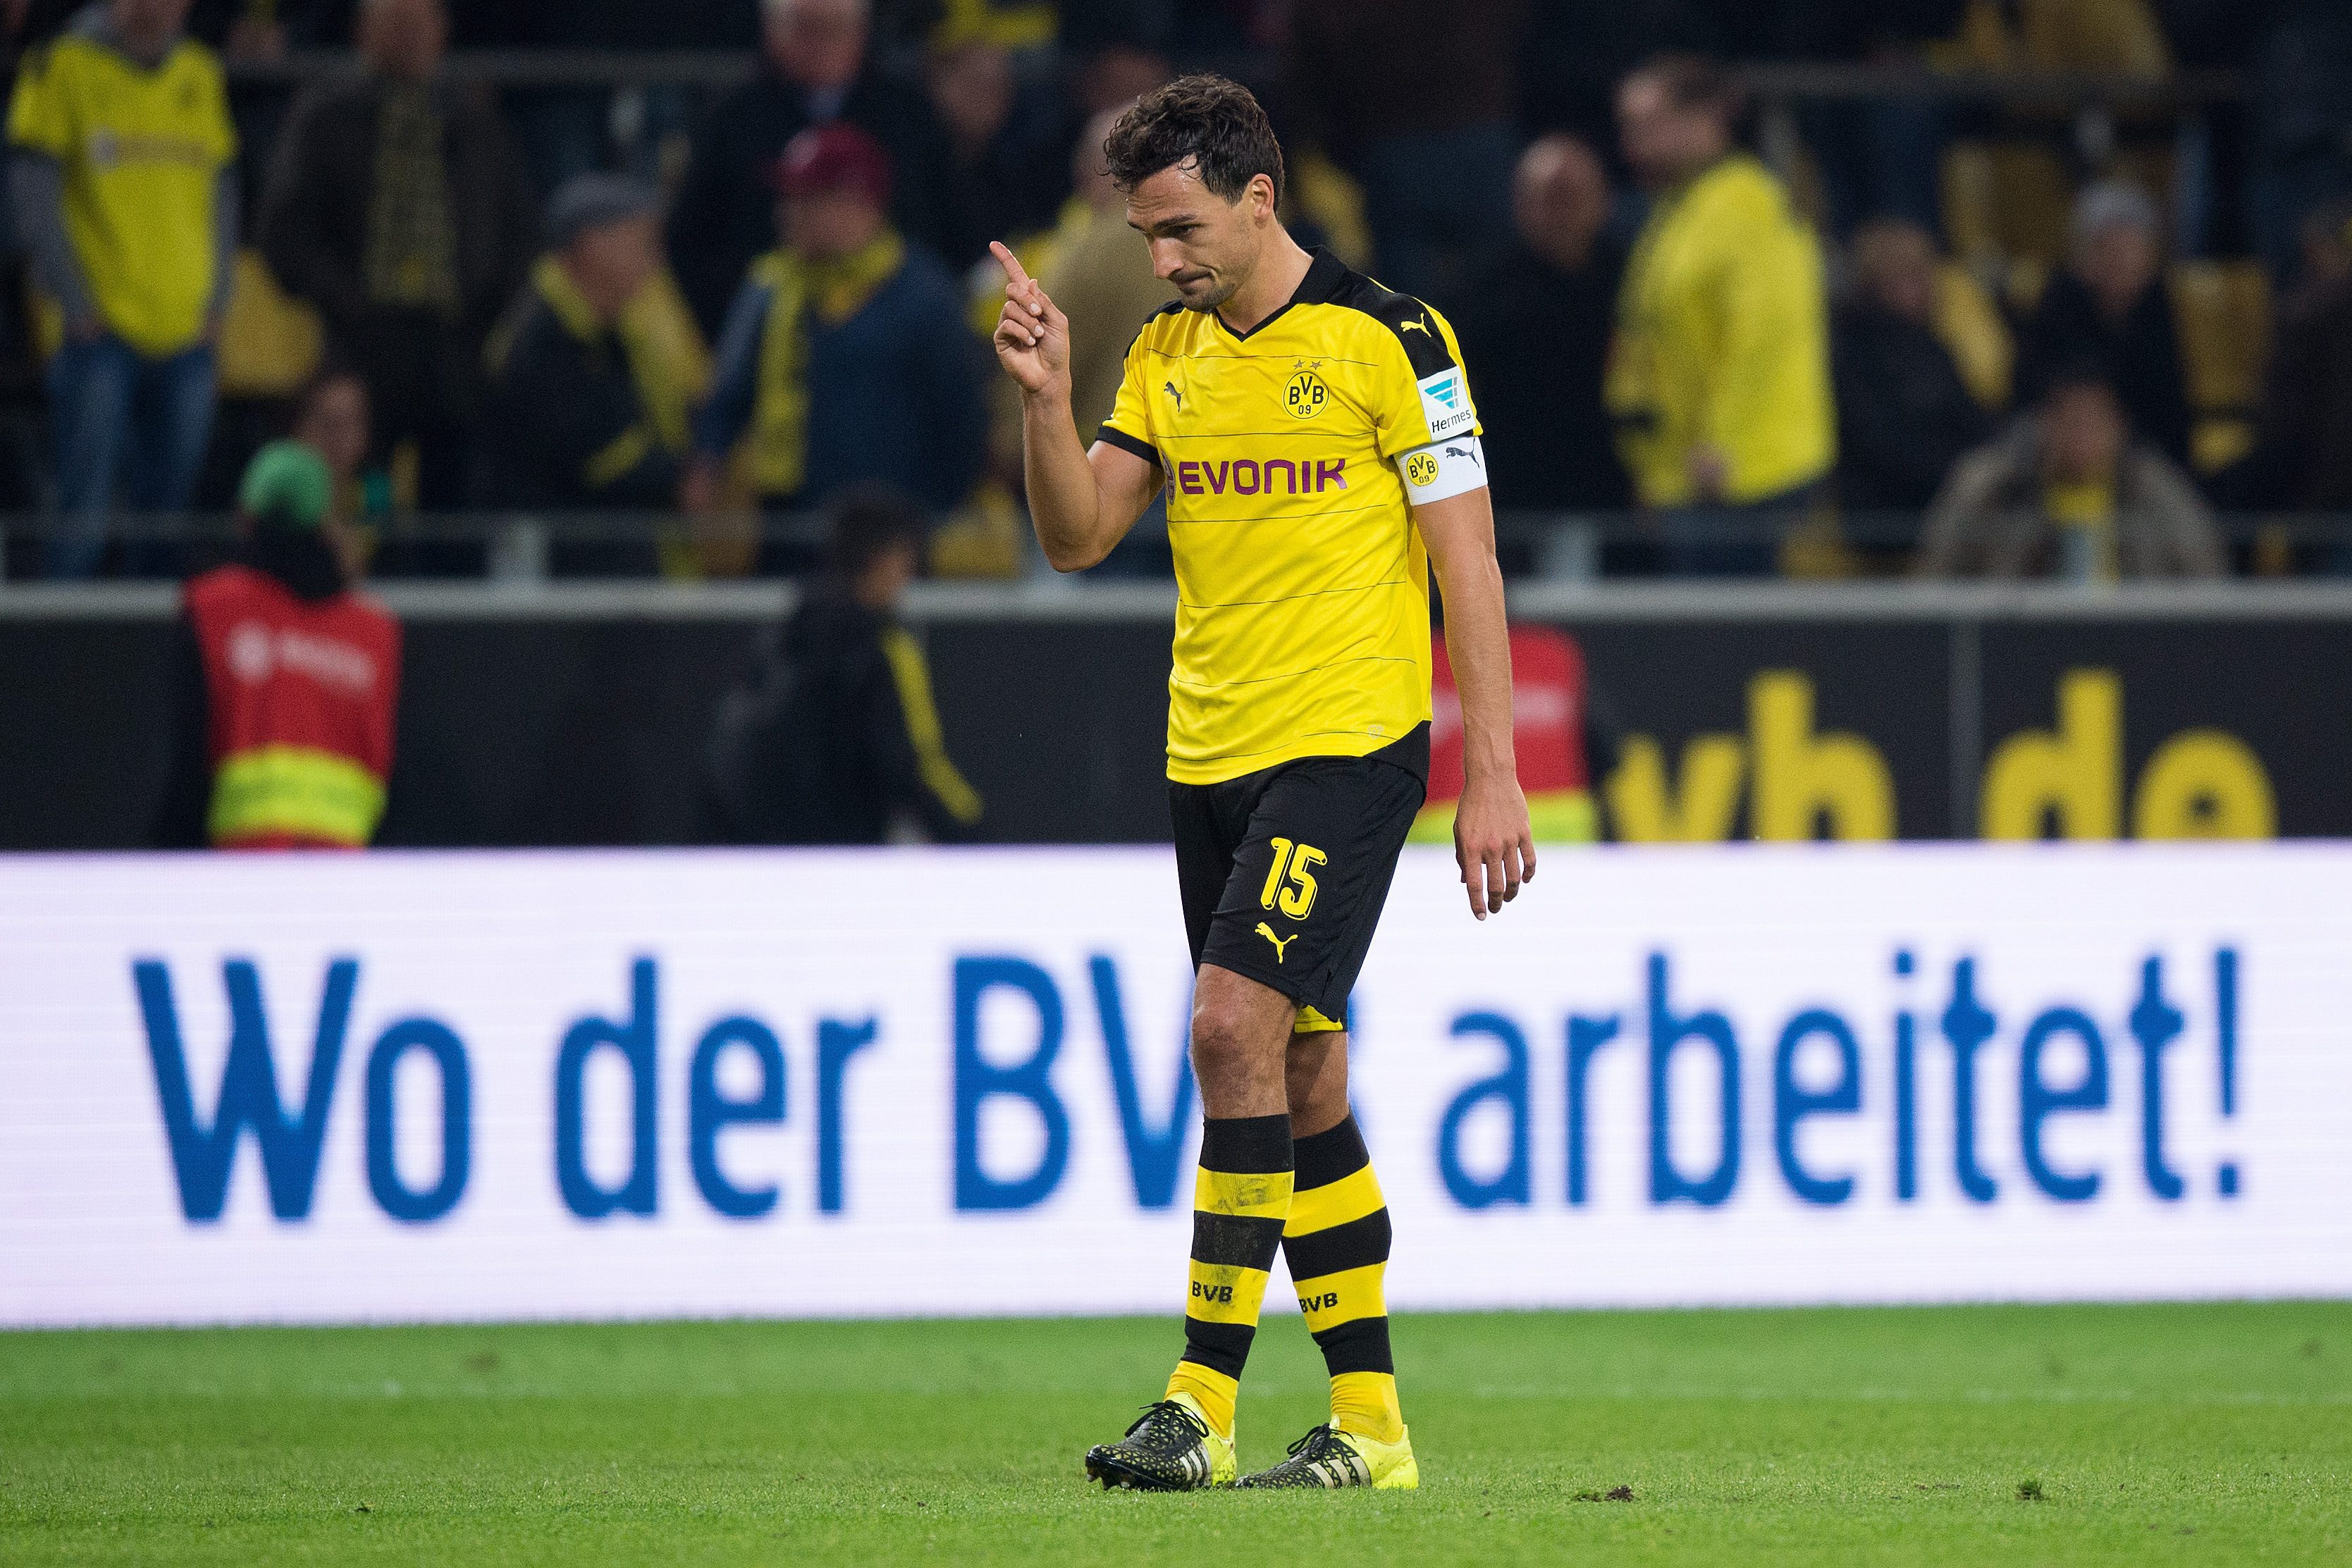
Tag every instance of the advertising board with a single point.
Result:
(421, 1087)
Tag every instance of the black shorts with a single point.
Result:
(1284, 872)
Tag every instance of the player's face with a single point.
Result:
(1202, 244)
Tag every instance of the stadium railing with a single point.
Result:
(1079, 598)
(1768, 81)
(511, 547)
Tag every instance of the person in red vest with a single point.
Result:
(1565, 746)
(288, 680)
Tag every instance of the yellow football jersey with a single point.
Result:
(1302, 619)
(141, 150)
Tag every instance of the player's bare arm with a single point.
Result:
(1081, 502)
(1492, 841)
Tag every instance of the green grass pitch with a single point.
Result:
(1975, 1435)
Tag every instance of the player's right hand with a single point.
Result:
(1032, 337)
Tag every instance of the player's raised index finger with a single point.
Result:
(1011, 263)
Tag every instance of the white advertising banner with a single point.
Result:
(316, 1089)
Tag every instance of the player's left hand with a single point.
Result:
(1493, 845)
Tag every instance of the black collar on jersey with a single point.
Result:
(1325, 274)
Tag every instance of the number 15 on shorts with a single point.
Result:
(1290, 880)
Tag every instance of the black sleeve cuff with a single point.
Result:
(1125, 442)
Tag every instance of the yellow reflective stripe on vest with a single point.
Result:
(296, 791)
(913, 678)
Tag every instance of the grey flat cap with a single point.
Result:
(588, 202)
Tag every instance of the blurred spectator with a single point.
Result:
(334, 418)
(397, 208)
(2323, 261)
(287, 681)
(1904, 416)
(574, 417)
(2067, 494)
(846, 357)
(1534, 330)
(1420, 106)
(2302, 459)
(2302, 96)
(833, 738)
(1719, 377)
(2111, 308)
(1101, 277)
(123, 172)
(817, 71)
(1006, 170)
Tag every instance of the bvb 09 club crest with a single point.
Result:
(1306, 395)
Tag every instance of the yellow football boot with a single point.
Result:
(1327, 1457)
(1171, 1447)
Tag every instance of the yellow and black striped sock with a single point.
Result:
(1239, 1202)
(1337, 1244)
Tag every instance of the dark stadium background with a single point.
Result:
(871, 1324)
(577, 713)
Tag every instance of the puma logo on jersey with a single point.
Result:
(1171, 389)
(1279, 942)
(1421, 327)
(1458, 452)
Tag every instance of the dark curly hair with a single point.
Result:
(1206, 121)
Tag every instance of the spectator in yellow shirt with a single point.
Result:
(123, 177)
(1718, 378)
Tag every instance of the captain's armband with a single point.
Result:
(1443, 469)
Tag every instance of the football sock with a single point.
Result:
(1239, 1201)
(1336, 1242)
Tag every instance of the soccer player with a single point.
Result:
(1314, 435)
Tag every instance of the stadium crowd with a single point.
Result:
(1949, 336)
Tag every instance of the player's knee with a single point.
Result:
(1224, 1045)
